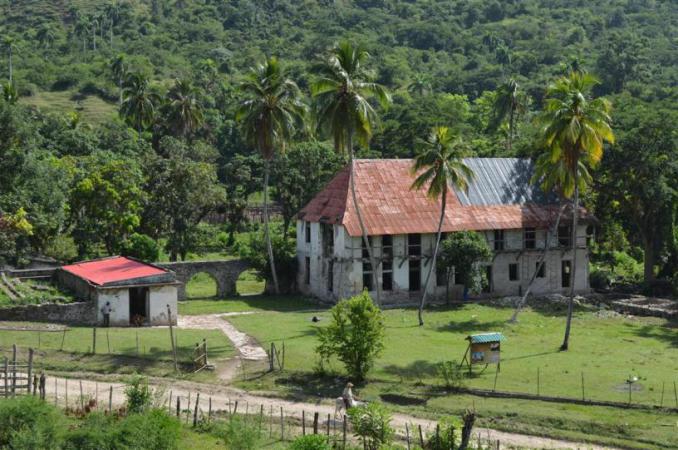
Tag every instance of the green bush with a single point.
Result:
(26, 422)
(311, 442)
(448, 436)
(600, 278)
(149, 431)
(355, 335)
(240, 435)
(139, 395)
(451, 374)
(95, 433)
(141, 247)
(62, 248)
(372, 425)
(254, 251)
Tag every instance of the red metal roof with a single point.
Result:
(389, 206)
(116, 268)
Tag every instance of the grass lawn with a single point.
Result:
(93, 109)
(154, 356)
(261, 303)
(607, 348)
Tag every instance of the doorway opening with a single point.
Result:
(138, 305)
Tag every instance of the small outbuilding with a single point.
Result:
(484, 348)
(138, 292)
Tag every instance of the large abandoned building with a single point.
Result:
(138, 293)
(514, 215)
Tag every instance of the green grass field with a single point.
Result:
(93, 109)
(153, 357)
(605, 347)
(260, 303)
(203, 286)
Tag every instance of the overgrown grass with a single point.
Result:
(153, 356)
(606, 348)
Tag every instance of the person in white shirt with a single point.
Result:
(347, 395)
(106, 311)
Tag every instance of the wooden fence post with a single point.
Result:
(6, 376)
(178, 406)
(169, 404)
(66, 399)
(583, 396)
(421, 437)
(82, 398)
(43, 386)
(209, 410)
(108, 341)
(328, 424)
(56, 393)
(63, 339)
(345, 425)
(407, 435)
(538, 381)
(661, 401)
(94, 340)
(303, 423)
(174, 347)
(110, 399)
(13, 370)
(195, 412)
(315, 423)
(282, 425)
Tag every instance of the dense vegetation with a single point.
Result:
(91, 181)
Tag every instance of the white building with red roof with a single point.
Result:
(514, 215)
(136, 292)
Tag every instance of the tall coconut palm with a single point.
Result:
(139, 103)
(575, 127)
(184, 110)
(509, 101)
(343, 110)
(438, 166)
(270, 115)
(119, 69)
(10, 45)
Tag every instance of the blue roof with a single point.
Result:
(502, 181)
(486, 337)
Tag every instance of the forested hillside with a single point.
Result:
(84, 179)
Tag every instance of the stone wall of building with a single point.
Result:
(81, 313)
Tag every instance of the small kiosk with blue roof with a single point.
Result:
(483, 348)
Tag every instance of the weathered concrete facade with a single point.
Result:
(225, 273)
(333, 271)
(80, 313)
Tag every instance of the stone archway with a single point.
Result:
(225, 273)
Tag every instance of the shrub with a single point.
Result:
(600, 278)
(139, 395)
(141, 247)
(149, 431)
(240, 435)
(448, 437)
(355, 335)
(254, 251)
(463, 251)
(28, 420)
(62, 248)
(371, 424)
(311, 442)
(95, 433)
(451, 374)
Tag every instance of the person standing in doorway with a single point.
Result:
(106, 311)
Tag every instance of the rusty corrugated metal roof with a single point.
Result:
(389, 206)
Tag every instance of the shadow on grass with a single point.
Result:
(416, 370)
(312, 385)
(472, 326)
(667, 333)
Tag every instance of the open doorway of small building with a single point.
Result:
(138, 305)
(201, 285)
(250, 283)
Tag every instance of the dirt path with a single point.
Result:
(224, 397)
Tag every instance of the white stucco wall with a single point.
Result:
(348, 265)
(119, 300)
(158, 299)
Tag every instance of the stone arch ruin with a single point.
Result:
(225, 273)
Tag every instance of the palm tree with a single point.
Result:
(343, 110)
(420, 85)
(45, 35)
(139, 102)
(509, 101)
(112, 14)
(10, 45)
(9, 93)
(185, 113)
(270, 115)
(575, 127)
(119, 68)
(438, 166)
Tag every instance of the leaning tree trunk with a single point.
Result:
(435, 256)
(570, 303)
(363, 230)
(267, 233)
